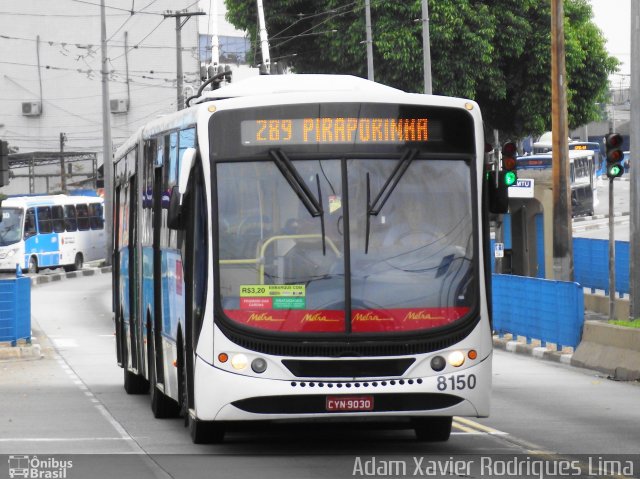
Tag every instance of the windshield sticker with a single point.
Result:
(335, 203)
(272, 296)
(6, 215)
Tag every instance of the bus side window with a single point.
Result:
(44, 220)
(83, 217)
(57, 214)
(70, 221)
(95, 216)
(30, 224)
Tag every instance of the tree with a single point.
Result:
(497, 53)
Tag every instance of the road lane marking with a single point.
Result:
(468, 425)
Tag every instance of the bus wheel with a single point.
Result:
(33, 265)
(202, 432)
(162, 405)
(432, 429)
(78, 263)
(205, 432)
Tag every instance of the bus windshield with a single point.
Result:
(405, 263)
(10, 226)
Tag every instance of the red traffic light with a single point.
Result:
(509, 149)
(613, 140)
(509, 163)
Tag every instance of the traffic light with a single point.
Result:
(615, 155)
(509, 153)
(4, 163)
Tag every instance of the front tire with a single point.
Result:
(433, 429)
(205, 432)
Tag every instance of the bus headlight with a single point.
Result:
(456, 359)
(239, 361)
(259, 365)
(12, 252)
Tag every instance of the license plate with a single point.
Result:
(349, 403)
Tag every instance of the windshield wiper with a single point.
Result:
(300, 188)
(373, 209)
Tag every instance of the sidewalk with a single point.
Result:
(29, 350)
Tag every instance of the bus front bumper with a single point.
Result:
(225, 396)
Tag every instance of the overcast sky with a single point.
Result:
(613, 18)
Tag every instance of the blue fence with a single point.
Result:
(546, 310)
(591, 264)
(15, 310)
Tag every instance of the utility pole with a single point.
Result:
(107, 153)
(634, 171)
(179, 24)
(63, 176)
(367, 17)
(426, 47)
(562, 233)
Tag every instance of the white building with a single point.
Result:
(50, 73)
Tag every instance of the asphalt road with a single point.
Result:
(71, 404)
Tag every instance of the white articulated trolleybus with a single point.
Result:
(305, 247)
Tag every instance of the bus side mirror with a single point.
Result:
(176, 214)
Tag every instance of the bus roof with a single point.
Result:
(296, 83)
(285, 89)
(48, 200)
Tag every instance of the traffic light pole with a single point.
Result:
(612, 256)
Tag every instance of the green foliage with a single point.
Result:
(497, 53)
(629, 324)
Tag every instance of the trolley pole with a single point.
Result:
(179, 24)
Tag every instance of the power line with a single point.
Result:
(115, 8)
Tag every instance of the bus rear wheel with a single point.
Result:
(78, 263)
(432, 429)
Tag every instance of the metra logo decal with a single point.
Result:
(318, 318)
(370, 317)
(263, 318)
(422, 316)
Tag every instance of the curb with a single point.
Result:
(22, 352)
(539, 352)
(610, 349)
(49, 278)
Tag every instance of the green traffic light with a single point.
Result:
(615, 171)
(510, 178)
